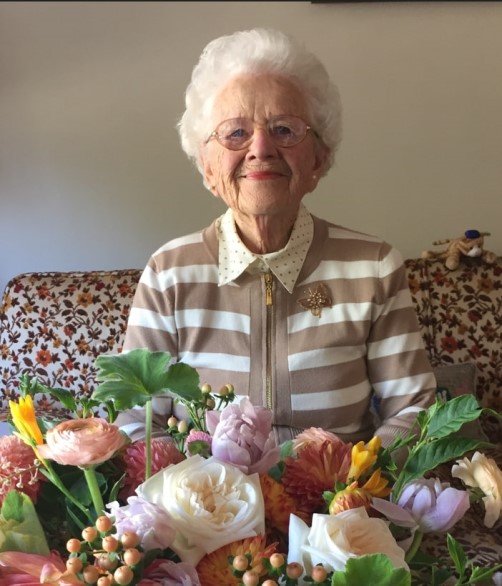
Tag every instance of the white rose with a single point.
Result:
(334, 539)
(211, 503)
(483, 473)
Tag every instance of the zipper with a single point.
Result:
(269, 280)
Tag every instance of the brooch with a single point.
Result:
(316, 299)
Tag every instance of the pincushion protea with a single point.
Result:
(18, 470)
(133, 458)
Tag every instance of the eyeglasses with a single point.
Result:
(237, 133)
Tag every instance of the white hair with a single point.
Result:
(258, 51)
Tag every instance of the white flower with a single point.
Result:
(334, 539)
(211, 503)
(483, 473)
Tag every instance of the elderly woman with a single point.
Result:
(303, 316)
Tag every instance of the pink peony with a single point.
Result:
(168, 573)
(151, 522)
(17, 468)
(133, 459)
(82, 442)
(243, 436)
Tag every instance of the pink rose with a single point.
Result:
(243, 436)
(82, 442)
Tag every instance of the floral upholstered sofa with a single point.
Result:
(53, 325)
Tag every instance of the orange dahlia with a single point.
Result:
(278, 504)
(316, 468)
(214, 568)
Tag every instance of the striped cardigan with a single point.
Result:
(312, 370)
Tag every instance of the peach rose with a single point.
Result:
(82, 442)
(483, 473)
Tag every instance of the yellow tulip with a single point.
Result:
(23, 417)
(363, 457)
(376, 485)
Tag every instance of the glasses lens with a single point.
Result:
(287, 131)
(236, 134)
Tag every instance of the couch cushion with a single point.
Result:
(53, 325)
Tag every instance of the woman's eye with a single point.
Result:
(282, 130)
(237, 133)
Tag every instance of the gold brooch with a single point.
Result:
(316, 299)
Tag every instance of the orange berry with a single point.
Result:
(110, 543)
(319, 574)
(104, 524)
(240, 563)
(132, 556)
(276, 560)
(250, 578)
(105, 581)
(89, 534)
(105, 563)
(73, 545)
(74, 565)
(90, 574)
(294, 570)
(130, 539)
(269, 583)
(123, 575)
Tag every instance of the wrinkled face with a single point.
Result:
(262, 179)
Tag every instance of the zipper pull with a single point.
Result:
(268, 288)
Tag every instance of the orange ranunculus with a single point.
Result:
(82, 442)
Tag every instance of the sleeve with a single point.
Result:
(398, 367)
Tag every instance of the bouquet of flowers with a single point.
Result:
(217, 503)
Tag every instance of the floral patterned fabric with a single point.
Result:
(460, 314)
(53, 326)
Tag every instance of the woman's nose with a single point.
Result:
(262, 146)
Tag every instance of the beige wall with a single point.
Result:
(91, 174)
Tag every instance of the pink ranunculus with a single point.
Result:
(427, 504)
(243, 436)
(133, 459)
(151, 522)
(82, 442)
(168, 573)
(17, 468)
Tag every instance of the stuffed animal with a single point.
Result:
(470, 244)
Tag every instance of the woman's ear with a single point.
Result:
(207, 172)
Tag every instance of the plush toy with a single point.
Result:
(470, 244)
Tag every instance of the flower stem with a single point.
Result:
(48, 471)
(92, 483)
(415, 544)
(148, 439)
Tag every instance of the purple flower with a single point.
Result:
(168, 573)
(243, 436)
(427, 504)
(151, 522)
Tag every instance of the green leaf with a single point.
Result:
(450, 416)
(430, 455)
(132, 378)
(12, 507)
(457, 554)
(377, 566)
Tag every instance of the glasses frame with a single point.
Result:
(214, 135)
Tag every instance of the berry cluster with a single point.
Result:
(102, 559)
(279, 571)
